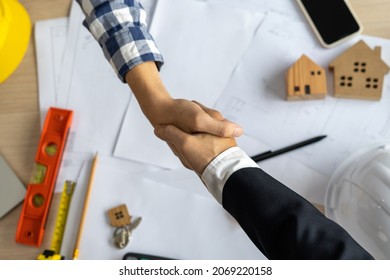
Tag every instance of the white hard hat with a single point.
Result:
(358, 198)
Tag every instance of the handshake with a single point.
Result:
(196, 133)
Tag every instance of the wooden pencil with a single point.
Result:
(84, 213)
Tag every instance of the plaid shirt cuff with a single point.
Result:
(120, 28)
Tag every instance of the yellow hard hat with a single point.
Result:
(15, 32)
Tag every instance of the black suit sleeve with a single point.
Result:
(281, 223)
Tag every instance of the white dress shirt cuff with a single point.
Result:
(222, 167)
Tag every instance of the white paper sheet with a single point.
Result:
(50, 40)
(257, 92)
(182, 179)
(149, 7)
(285, 7)
(175, 223)
(91, 89)
(200, 56)
(249, 105)
(71, 167)
(288, 171)
(77, 203)
(313, 187)
(198, 51)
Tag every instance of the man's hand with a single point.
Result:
(192, 117)
(195, 151)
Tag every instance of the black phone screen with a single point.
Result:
(332, 18)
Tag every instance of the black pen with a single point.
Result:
(270, 154)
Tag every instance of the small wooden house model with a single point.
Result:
(305, 80)
(359, 72)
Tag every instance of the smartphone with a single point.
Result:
(333, 21)
(137, 256)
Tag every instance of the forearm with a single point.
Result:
(120, 28)
(150, 92)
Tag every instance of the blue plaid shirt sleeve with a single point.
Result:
(121, 30)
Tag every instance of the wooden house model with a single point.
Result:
(359, 72)
(305, 80)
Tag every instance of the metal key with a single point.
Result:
(134, 224)
(122, 234)
(121, 237)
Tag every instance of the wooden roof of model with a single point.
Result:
(359, 72)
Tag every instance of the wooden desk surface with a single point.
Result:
(19, 110)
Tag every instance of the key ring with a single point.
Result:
(121, 237)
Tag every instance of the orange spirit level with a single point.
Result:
(32, 221)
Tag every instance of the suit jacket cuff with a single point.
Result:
(222, 167)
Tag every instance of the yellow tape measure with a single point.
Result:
(62, 215)
(54, 252)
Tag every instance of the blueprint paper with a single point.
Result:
(199, 54)
(71, 166)
(90, 88)
(310, 188)
(210, 55)
(50, 40)
(285, 7)
(77, 204)
(288, 39)
(149, 7)
(182, 179)
(175, 223)
(349, 124)
(287, 170)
